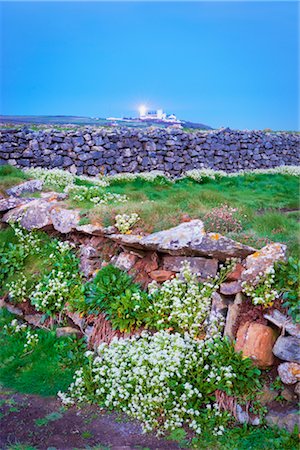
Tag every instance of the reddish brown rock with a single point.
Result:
(256, 342)
(231, 288)
(147, 264)
(235, 275)
(161, 275)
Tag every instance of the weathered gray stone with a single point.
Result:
(289, 372)
(34, 215)
(27, 186)
(95, 230)
(12, 202)
(283, 321)
(231, 288)
(206, 268)
(232, 315)
(287, 348)
(263, 260)
(289, 418)
(64, 220)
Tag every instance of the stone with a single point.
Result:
(232, 315)
(67, 331)
(263, 260)
(206, 268)
(76, 318)
(34, 319)
(297, 389)
(187, 239)
(34, 215)
(161, 275)
(256, 341)
(288, 419)
(147, 264)
(266, 395)
(287, 395)
(287, 348)
(10, 307)
(89, 260)
(284, 322)
(27, 186)
(64, 220)
(235, 275)
(289, 372)
(12, 202)
(125, 261)
(231, 288)
(95, 230)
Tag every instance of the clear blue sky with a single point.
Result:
(220, 63)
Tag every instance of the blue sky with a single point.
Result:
(220, 63)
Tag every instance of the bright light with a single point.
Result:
(142, 110)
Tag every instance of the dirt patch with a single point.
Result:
(42, 422)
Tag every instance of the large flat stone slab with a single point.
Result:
(187, 239)
(64, 220)
(7, 204)
(263, 260)
(35, 215)
(27, 186)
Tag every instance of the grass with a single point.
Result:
(10, 176)
(263, 203)
(44, 371)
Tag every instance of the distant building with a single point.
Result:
(157, 114)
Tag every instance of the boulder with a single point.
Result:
(64, 220)
(231, 288)
(289, 372)
(34, 215)
(204, 267)
(287, 348)
(262, 260)
(27, 186)
(283, 321)
(187, 239)
(161, 275)
(13, 202)
(256, 341)
(288, 419)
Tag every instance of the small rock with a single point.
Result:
(235, 275)
(67, 331)
(232, 315)
(95, 230)
(256, 342)
(34, 319)
(286, 419)
(287, 395)
(287, 348)
(283, 321)
(289, 372)
(231, 288)
(125, 261)
(161, 275)
(266, 395)
(297, 389)
(147, 264)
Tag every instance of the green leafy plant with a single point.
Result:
(287, 283)
(113, 292)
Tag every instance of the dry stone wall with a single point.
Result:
(92, 150)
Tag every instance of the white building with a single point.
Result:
(157, 114)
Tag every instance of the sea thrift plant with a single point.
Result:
(183, 303)
(126, 221)
(164, 380)
(223, 219)
(261, 288)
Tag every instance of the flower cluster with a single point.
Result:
(22, 330)
(260, 289)
(126, 221)
(18, 290)
(183, 303)
(55, 178)
(223, 219)
(164, 380)
(29, 240)
(51, 292)
(153, 175)
(94, 194)
(200, 175)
